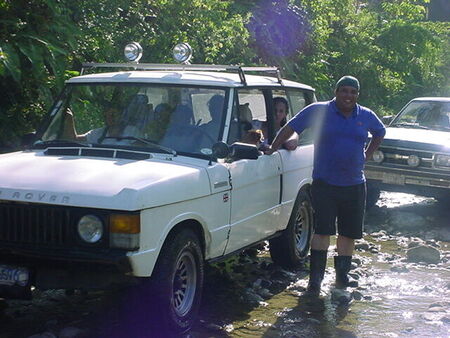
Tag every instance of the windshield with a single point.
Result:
(167, 119)
(424, 115)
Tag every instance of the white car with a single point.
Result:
(159, 189)
(414, 156)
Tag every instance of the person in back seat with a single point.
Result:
(281, 109)
(215, 108)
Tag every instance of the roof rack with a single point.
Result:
(274, 71)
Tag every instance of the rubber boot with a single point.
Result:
(342, 265)
(318, 262)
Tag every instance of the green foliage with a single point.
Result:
(36, 38)
(387, 44)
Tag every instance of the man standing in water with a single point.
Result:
(338, 190)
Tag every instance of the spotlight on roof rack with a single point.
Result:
(182, 52)
(133, 52)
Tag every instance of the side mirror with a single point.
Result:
(220, 150)
(241, 151)
(27, 140)
(387, 119)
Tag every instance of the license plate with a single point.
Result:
(12, 275)
(393, 179)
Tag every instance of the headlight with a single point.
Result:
(133, 52)
(442, 160)
(413, 161)
(90, 228)
(378, 156)
(182, 52)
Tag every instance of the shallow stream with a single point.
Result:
(395, 298)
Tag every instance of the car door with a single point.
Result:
(256, 184)
(297, 164)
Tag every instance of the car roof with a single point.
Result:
(203, 78)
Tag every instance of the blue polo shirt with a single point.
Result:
(339, 142)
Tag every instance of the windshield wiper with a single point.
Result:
(440, 128)
(409, 125)
(59, 143)
(145, 141)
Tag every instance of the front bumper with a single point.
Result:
(69, 268)
(406, 180)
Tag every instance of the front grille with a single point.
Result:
(34, 224)
(399, 157)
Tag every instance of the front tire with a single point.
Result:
(177, 282)
(291, 248)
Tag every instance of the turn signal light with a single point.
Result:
(125, 224)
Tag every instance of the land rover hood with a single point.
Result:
(98, 182)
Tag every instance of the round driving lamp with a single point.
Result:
(182, 52)
(90, 229)
(378, 156)
(442, 160)
(133, 52)
(413, 161)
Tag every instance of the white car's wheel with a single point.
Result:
(291, 248)
(177, 282)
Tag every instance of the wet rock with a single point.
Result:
(211, 326)
(423, 253)
(340, 296)
(357, 295)
(52, 325)
(282, 275)
(415, 242)
(313, 320)
(353, 275)
(43, 335)
(408, 330)
(266, 294)
(427, 289)
(442, 306)
(71, 332)
(399, 268)
(378, 234)
(431, 316)
(446, 319)
(239, 268)
(3, 305)
(251, 297)
(357, 261)
(443, 234)
(406, 220)
(267, 265)
(261, 283)
(229, 328)
(374, 250)
(362, 245)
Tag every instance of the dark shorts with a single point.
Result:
(344, 204)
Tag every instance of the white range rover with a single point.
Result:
(140, 176)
